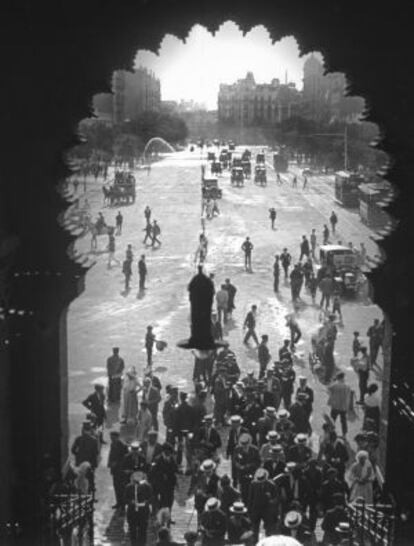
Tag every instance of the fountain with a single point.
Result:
(152, 141)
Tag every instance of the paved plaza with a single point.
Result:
(105, 316)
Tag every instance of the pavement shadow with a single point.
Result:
(115, 530)
(125, 292)
(112, 414)
(251, 352)
(160, 369)
(140, 294)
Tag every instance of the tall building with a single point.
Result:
(247, 103)
(323, 96)
(132, 93)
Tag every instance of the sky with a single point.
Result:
(195, 69)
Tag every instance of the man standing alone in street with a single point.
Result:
(250, 324)
(149, 345)
(247, 248)
(222, 300)
(231, 289)
(272, 216)
(276, 274)
(285, 259)
(127, 271)
(313, 243)
(333, 220)
(339, 398)
(264, 356)
(142, 272)
(304, 248)
(118, 222)
(114, 366)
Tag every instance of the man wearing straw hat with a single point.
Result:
(246, 462)
(206, 486)
(213, 523)
(262, 502)
(239, 526)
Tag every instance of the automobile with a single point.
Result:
(211, 188)
(308, 172)
(237, 177)
(232, 146)
(342, 263)
(211, 156)
(260, 175)
(223, 158)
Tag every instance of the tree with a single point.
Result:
(127, 146)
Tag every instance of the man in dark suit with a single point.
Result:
(266, 424)
(138, 497)
(236, 430)
(246, 462)
(333, 517)
(163, 477)
(85, 447)
(261, 502)
(276, 464)
(151, 448)
(307, 394)
(213, 524)
(207, 483)
(299, 453)
(293, 487)
(207, 437)
(114, 366)
(95, 403)
(117, 451)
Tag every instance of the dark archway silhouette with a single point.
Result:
(56, 57)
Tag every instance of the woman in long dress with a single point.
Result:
(129, 403)
(361, 477)
(144, 422)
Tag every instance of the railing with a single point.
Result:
(371, 524)
(71, 519)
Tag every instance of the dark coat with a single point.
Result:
(262, 495)
(117, 452)
(246, 462)
(299, 454)
(233, 441)
(163, 473)
(236, 527)
(205, 490)
(274, 468)
(214, 524)
(184, 417)
(210, 439)
(133, 463)
(300, 418)
(96, 404)
(85, 449)
(227, 496)
(143, 493)
(157, 451)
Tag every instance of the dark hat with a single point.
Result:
(114, 432)
(225, 479)
(265, 337)
(190, 536)
(115, 348)
(183, 395)
(356, 333)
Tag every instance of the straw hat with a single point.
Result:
(238, 508)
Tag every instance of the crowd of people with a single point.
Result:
(279, 480)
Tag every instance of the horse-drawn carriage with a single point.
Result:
(260, 159)
(121, 190)
(260, 175)
(211, 189)
(224, 158)
(247, 168)
(247, 155)
(237, 177)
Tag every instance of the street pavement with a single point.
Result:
(105, 316)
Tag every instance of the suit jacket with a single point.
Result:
(96, 404)
(233, 441)
(236, 526)
(299, 455)
(274, 468)
(117, 452)
(211, 439)
(152, 397)
(261, 497)
(214, 524)
(85, 449)
(163, 473)
(288, 492)
(131, 464)
(157, 451)
(264, 425)
(246, 462)
(205, 490)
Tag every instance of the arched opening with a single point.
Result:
(312, 129)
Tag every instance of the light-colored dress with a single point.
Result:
(144, 424)
(361, 473)
(129, 403)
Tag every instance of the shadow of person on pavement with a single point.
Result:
(140, 294)
(125, 292)
(115, 531)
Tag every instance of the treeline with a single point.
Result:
(324, 142)
(128, 139)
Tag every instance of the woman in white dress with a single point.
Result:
(144, 422)
(361, 476)
(129, 403)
